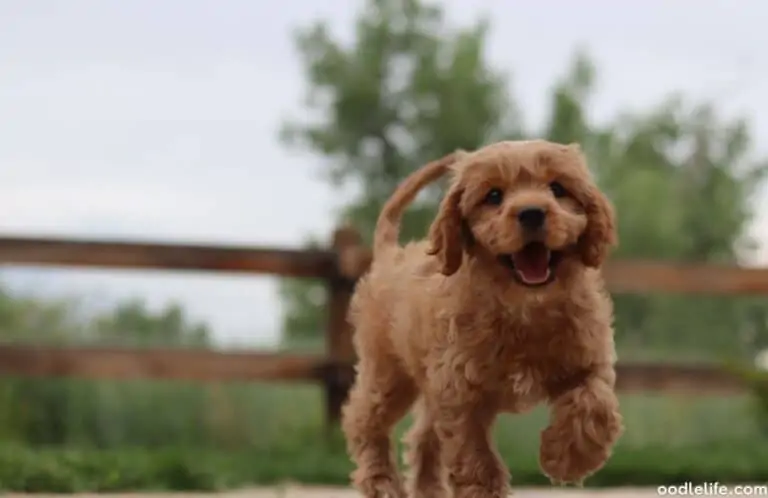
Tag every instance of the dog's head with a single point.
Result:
(528, 207)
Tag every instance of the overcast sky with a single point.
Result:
(158, 120)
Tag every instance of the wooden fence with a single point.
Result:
(340, 265)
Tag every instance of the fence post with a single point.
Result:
(340, 351)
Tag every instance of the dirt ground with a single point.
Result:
(301, 492)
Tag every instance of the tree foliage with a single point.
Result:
(407, 91)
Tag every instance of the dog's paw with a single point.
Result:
(381, 487)
(480, 491)
(568, 460)
(555, 482)
(581, 436)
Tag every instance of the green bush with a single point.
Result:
(280, 437)
(175, 436)
(758, 382)
(189, 469)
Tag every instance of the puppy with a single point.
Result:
(500, 309)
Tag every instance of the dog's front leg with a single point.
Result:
(584, 425)
(463, 417)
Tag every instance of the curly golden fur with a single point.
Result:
(500, 309)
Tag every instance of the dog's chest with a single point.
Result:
(521, 387)
(526, 365)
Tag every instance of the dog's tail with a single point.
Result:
(388, 223)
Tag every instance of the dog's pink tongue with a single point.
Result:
(532, 264)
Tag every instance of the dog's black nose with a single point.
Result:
(531, 218)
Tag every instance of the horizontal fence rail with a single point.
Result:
(211, 366)
(158, 363)
(638, 277)
(155, 256)
(621, 276)
(641, 277)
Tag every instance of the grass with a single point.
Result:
(273, 434)
(188, 469)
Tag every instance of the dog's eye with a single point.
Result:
(557, 189)
(494, 197)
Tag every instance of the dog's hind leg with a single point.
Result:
(382, 394)
(427, 475)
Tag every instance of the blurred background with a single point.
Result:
(270, 124)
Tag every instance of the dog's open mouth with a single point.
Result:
(533, 265)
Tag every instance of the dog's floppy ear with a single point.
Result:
(445, 234)
(600, 236)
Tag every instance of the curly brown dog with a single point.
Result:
(502, 308)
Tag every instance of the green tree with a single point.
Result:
(694, 204)
(683, 182)
(133, 324)
(408, 89)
